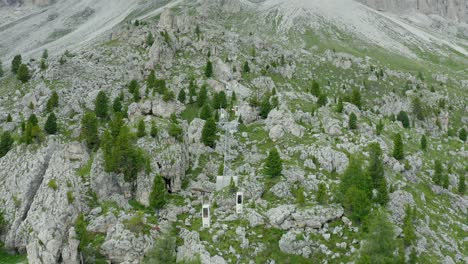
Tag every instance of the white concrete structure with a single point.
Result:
(206, 217)
(239, 202)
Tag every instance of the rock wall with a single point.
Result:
(450, 9)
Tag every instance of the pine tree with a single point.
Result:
(352, 122)
(209, 69)
(150, 81)
(356, 98)
(404, 119)
(375, 169)
(379, 128)
(382, 193)
(149, 39)
(43, 65)
(220, 100)
(89, 130)
(181, 97)
(132, 86)
(50, 126)
(445, 181)
(322, 100)
(202, 96)
(339, 106)
(9, 118)
(380, 244)
(409, 235)
(117, 105)
(136, 94)
(209, 133)
(438, 170)
(462, 134)
(315, 89)
(461, 184)
(116, 124)
(418, 109)
(423, 143)
(205, 112)
(398, 152)
(265, 107)
(153, 130)
(53, 101)
(246, 67)
(101, 105)
(23, 73)
(158, 193)
(141, 130)
(321, 194)
(273, 164)
(15, 63)
(6, 143)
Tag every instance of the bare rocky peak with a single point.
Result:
(456, 10)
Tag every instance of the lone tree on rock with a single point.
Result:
(404, 119)
(352, 123)
(209, 69)
(50, 125)
(209, 133)
(158, 194)
(101, 105)
(89, 130)
(398, 152)
(273, 164)
(15, 64)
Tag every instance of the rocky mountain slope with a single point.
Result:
(331, 118)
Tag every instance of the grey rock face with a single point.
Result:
(296, 243)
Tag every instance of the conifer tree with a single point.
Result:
(45, 54)
(437, 178)
(209, 69)
(205, 112)
(461, 184)
(50, 126)
(153, 130)
(116, 124)
(404, 119)
(181, 97)
(375, 169)
(141, 130)
(192, 91)
(132, 86)
(101, 105)
(149, 39)
(246, 67)
(379, 245)
(382, 193)
(158, 193)
(417, 108)
(423, 143)
(23, 73)
(9, 118)
(339, 106)
(53, 101)
(273, 164)
(136, 94)
(1, 69)
(209, 133)
(265, 107)
(462, 134)
(220, 100)
(89, 130)
(315, 89)
(202, 96)
(43, 65)
(321, 194)
(352, 122)
(198, 32)
(322, 100)
(408, 227)
(356, 98)
(117, 105)
(15, 63)
(398, 152)
(6, 143)
(379, 128)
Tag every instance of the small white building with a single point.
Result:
(206, 217)
(239, 202)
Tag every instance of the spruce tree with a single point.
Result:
(117, 105)
(398, 152)
(15, 63)
(209, 133)
(220, 100)
(209, 69)
(43, 65)
(9, 118)
(273, 164)
(322, 100)
(380, 244)
(409, 235)
(246, 67)
(352, 122)
(141, 130)
(315, 89)
(375, 169)
(438, 170)
(116, 124)
(382, 193)
(202, 96)
(6, 143)
(356, 203)
(153, 130)
(158, 193)
(461, 184)
(23, 73)
(89, 130)
(149, 39)
(150, 81)
(50, 126)
(339, 106)
(418, 109)
(423, 143)
(101, 105)
(181, 97)
(45, 54)
(198, 32)
(321, 194)
(404, 119)
(136, 94)
(265, 107)
(53, 101)
(462, 134)
(379, 128)
(132, 86)
(205, 112)
(356, 98)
